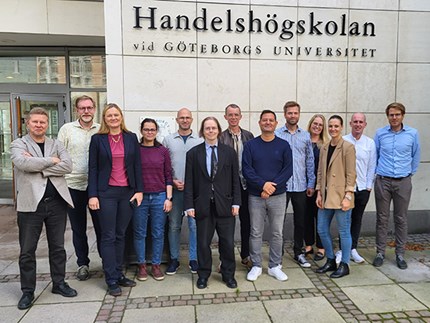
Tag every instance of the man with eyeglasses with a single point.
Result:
(76, 137)
(179, 143)
(398, 157)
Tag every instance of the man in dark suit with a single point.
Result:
(212, 197)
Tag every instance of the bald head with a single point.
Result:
(184, 119)
(357, 123)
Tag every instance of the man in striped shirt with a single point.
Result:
(302, 183)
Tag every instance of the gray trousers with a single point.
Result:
(398, 190)
(272, 208)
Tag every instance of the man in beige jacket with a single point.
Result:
(40, 164)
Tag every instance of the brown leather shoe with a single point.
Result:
(157, 273)
(142, 274)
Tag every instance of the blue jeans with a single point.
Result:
(175, 225)
(343, 219)
(151, 206)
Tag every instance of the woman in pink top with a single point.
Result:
(114, 186)
(157, 199)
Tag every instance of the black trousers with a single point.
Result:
(224, 226)
(52, 212)
(311, 222)
(245, 225)
(78, 222)
(298, 199)
(360, 201)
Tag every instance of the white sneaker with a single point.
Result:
(338, 255)
(277, 273)
(301, 260)
(254, 273)
(356, 257)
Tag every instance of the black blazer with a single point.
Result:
(100, 163)
(198, 182)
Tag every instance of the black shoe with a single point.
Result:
(231, 283)
(125, 282)
(173, 267)
(379, 260)
(202, 283)
(319, 256)
(330, 265)
(401, 262)
(114, 290)
(341, 271)
(26, 300)
(64, 290)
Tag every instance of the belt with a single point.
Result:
(393, 178)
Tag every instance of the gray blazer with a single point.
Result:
(32, 173)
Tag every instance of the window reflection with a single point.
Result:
(87, 71)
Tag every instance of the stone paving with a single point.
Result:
(368, 294)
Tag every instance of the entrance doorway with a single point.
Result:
(13, 112)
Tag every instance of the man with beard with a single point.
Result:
(76, 137)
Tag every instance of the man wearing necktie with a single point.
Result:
(212, 197)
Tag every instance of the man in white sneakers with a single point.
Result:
(365, 150)
(267, 164)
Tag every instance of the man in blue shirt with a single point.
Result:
(267, 165)
(398, 153)
(302, 183)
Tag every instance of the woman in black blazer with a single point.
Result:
(114, 187)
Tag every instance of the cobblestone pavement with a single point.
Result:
(368, 294)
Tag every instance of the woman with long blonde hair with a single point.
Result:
(114, 189)
(317, 130)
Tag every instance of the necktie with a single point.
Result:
(214, 163)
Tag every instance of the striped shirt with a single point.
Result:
(303, 159)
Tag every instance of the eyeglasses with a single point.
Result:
(85, 108)
(317, 124)
(396, 115)
(149, 130)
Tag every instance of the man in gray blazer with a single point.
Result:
(42, 197)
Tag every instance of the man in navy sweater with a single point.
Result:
(267, 164)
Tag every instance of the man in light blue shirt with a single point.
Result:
(365, 151)
(398, 153)
(302, 183)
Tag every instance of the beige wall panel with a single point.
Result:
(321, 86)
(418, 5)
(380, 4)
(115, 80)
(385, 41)
(138, 37)
(70, 18)
(421, 122)
(420, 188)
(156, 83)
(414, 40)
(228, 44)
(221, 81)
(268, 42)
(323, 41)
(324, 4)
(24, 16)
(371, 86)
(272, 84)
(113, 27)
(413, 86)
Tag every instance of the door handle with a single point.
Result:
(18, 115)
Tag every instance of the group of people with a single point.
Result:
(211, 178)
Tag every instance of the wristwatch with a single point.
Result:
(169, 199)
(348, 197)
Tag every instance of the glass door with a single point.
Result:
(6, 177)
(14, 109)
